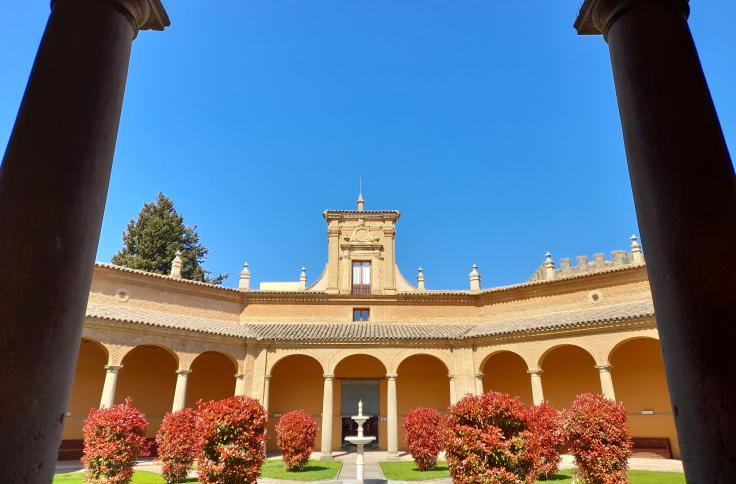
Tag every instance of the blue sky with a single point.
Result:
(491, 126)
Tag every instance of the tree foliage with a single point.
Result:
(150, 243)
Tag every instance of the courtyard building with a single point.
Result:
(363, 331)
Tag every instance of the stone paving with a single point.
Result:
(373, 474)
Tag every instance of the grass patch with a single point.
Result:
(635, 477)
(315, 470)
(406, 470)
(139, 477)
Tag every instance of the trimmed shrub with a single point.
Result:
(545, 422)
(232, 434)
(295, 434)
(177, 444)
(597, 436)
(488, 440)
(423, 430)
(113, 438)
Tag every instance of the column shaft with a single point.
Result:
(239, 385)
(53, 187)
(479, 383)
(685, 197)
(180, 393)
(453, 390)
(108, 389)
(326, 448)
(536, 381)
(266, 392)
(392, 423)
(606, 382)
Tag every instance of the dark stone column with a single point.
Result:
(53, 186)
(685, 195)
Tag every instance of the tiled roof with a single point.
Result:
(163, 276)
(164, 319)
(565, 320)
(362, 332)
(306, 332)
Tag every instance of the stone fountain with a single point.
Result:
(360, 440)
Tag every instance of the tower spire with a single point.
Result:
(361, 202)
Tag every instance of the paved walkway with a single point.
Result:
(373, 474)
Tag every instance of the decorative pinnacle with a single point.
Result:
(245, 268)
(634, 241)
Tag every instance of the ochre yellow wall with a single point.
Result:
(422, 382)
(212, 378)
(640, 384)
(149, 377)
(359, 366)
(568, 372)
(296, 384)
(506, 372)
(89, 378)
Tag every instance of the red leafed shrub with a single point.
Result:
(423, 430)
(597, 436)
(113, 438)
(295, 434)
(177, 445)
(489, 441)
(232, 433)
(545, 422)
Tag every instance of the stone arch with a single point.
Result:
(360, 373)
(422, 381)
(212, 377)
(506, 371)
(296, 383)
(440, 355)
(123, 351)
(627, 339)
(343, 355)
(148, 376)
(273, 360)
(568, 370)
(89, 378)
(639, 381)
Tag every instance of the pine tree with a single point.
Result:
(150, 243)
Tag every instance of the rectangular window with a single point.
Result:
(361, 277)
(361, 314)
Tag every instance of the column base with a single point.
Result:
(326, 456)
(393, 455)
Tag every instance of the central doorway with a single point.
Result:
(353, 391)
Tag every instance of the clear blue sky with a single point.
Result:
(491, 126)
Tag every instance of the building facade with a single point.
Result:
(362, 331)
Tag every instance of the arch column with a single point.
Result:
(55, 173)
(392, 420)
(108, 389)
(685, 196)
(536, 380)
(326, 449)
(606, 381)
(479, 383)
(239, 385)
(266, 392)
(180, 393)
(453, 395)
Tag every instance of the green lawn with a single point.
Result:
(315, 470)
(407, 471)
(139, 477)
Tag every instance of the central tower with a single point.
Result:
(361, 251)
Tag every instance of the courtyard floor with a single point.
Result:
(373, 472)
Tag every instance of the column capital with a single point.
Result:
(113, 368)
(266, 377)
(451, 377)
(183, 372)
(239, 375)
(603, 368)
(480, 375)
(535, 372)
(597, 16)
(391, 376)
(328, 376)
(142, 14)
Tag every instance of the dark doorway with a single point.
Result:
(352, 392)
